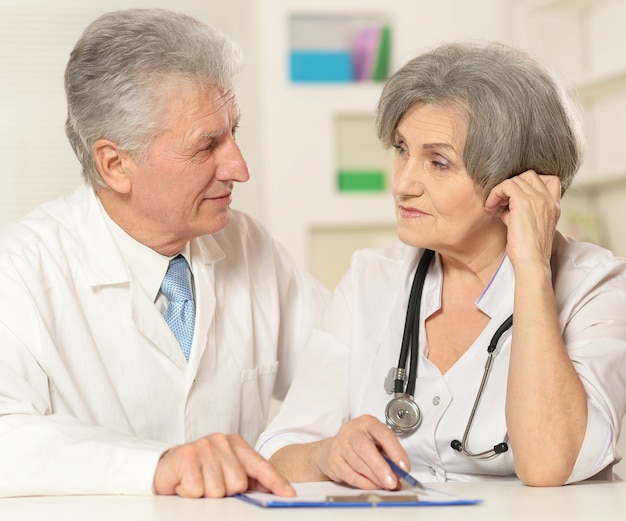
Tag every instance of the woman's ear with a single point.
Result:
(114, 165)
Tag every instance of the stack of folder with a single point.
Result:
(367, 59)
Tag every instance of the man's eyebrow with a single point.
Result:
(208, 136)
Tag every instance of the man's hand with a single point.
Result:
(216, 466)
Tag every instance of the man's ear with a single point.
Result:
(114, 165)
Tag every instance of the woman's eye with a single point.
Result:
(440, 163)
(399, 149)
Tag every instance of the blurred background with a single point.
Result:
(312, 74)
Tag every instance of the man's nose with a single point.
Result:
(232, 165)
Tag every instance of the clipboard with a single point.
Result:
(335, 495)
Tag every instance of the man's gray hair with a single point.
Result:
(518, 114)
(120, 69)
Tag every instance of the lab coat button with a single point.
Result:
(436, 400)
(433, 470)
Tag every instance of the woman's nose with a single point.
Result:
(407, 178)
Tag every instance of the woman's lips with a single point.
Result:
(410, 213)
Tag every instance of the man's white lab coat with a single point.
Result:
(94, 386)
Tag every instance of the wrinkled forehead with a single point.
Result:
(449, 119)
(177, 95)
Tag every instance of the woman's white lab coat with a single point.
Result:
(345, 365)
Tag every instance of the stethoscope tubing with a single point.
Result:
(410, 343)
(411, 326)
(491, 350)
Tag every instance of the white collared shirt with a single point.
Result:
(146, 265)
(345, 365)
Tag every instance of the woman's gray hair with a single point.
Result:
(119, 69)
(519, 117)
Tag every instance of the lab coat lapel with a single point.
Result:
(110, 269)
(91, 228)
(497, 298)
(153, 326)
(205, 253)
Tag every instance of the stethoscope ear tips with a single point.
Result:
(497, 449)
(500, 448)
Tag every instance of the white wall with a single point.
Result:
(36, 37)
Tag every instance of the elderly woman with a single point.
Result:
(486, 144)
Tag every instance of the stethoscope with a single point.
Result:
(402, 414)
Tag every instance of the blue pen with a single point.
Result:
(404, 475)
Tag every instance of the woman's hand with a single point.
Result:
(353, 455)
(529, 205)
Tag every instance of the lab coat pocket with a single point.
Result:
(257, 386)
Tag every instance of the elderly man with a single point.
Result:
(144, 325)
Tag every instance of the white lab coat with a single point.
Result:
(348, 358)
(94, 386)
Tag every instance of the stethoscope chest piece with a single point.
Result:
(402, 414)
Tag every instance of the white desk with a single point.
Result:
(503, 501)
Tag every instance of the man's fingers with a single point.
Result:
(223, 473)
(215, 466)
(262, 473)
(179, 473)
(265, 477)
(191, 483)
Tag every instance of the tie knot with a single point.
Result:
(176, 285)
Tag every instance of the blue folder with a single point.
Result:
(333, 495)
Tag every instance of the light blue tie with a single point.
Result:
(181, 313)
